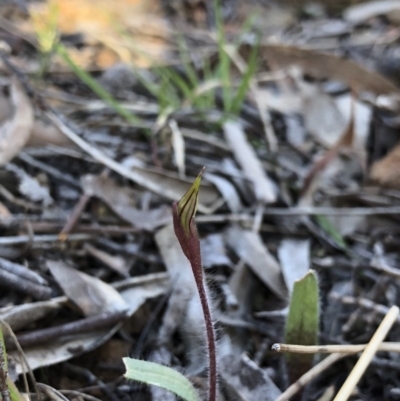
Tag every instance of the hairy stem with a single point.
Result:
(190, 244)
(212, 354)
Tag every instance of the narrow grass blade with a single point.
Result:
(246, 79)
(162, 376)
(302, 324)
(224, 60)
(95, 86)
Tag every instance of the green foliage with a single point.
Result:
(302, 325)
(46, 34)
(95, 86)
(160, 375)
(175, 90)
(233, 98)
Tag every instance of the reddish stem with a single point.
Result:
(212, 354)
(190, 245)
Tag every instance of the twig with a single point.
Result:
(332, 349)
(362, 302)
(24, 280)
(310, 375)
(93, 323)
(304, 211)
(23, 239)
(331, 211)
(21, 271)
(369, 352)
(74, 216)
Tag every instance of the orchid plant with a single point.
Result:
(151, 373)
(186, 232)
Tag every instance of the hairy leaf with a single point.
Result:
(160, 375)
(302, 323)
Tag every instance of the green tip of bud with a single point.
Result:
(187, 206)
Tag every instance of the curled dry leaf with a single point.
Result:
(15, 133)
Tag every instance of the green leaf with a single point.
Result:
(302, 325)
(162, 376)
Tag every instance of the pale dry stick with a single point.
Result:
(332, 349)
(369, 352)
(310, 375)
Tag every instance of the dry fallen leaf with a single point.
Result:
(323, 65)
(15, 133)
(322, 118)
(246, 156)
(294, 257)
(245, 380)
(89, 293)
(249, 246)
(385, 172)
(119, 200)
(43, 134)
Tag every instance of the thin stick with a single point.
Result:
(74, 217)
(331, 211)
(369, 352)
(332, 349)
(310, 375)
